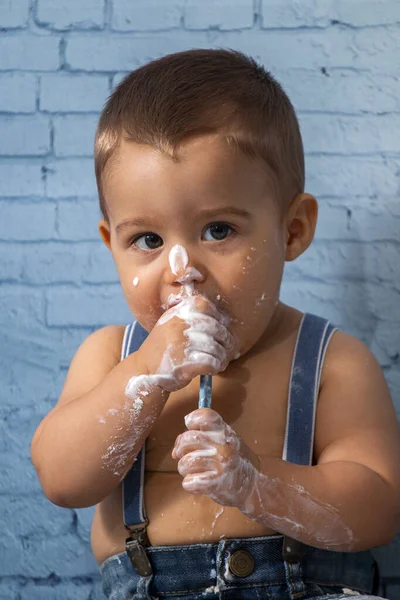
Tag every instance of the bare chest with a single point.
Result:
(251, 397)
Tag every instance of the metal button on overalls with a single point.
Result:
(241, 563)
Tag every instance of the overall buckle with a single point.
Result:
(135, 546)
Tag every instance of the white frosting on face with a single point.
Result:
(136, 281)
(178, 259)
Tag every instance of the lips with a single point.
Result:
(172, 300)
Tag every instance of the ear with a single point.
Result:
(300, 224)
(105, 234)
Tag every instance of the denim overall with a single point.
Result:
(270, 567)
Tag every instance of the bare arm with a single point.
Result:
(88, 442)
(350, 500)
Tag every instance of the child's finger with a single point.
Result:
(205, 419)
(198, 462)
(200, 483)
(191, 441)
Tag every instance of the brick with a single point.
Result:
(27, 222)
(372, 49)
(322, 13)
(29, 52)
(20, 307)
(14, 13)
(221, 14)
(71, 14)
(101, 267)
(74, 135)
(17, 476)
(350, 175)
(124, 53)
(11, 262)
(310, 49)
(118, 78)
(41, 557)
(20, 178)
(24, 518)
(95, 307)
(359, 223)
(292, 13)
(9, 590)
(341, 91)
(15, 369)
(66, 591)
(353, 306)
(144, 15)
(17, 92)
(348, 260)
(45, 263)
(374, 12)
(66, 92)
(338, 134)
(385, 347)
(78, 220)
(71, 178)
(24, 135)
(85, 518)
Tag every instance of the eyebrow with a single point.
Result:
(211, 213)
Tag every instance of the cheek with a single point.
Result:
(256, 278)
(140, 295)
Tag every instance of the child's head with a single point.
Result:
(201, 150)
(205, 91)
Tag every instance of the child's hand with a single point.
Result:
(189, 339)
(213, 460)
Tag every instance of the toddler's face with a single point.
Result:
(205, 224)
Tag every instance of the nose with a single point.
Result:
(180, 270)
(190, 275)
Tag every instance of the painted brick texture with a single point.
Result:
(59, 60)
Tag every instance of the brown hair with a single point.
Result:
(203, 91)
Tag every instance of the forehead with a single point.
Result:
(203, 168)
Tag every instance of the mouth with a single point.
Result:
(173, 300)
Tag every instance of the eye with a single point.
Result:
(217, 232)
(148, 241)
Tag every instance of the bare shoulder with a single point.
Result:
(355, 418)
(98, 354)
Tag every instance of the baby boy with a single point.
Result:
(280, 488)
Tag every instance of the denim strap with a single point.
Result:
(312, 341)
(133, 483)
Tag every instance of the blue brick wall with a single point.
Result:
(59, 59)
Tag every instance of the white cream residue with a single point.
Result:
(136, 281)
(119, 449)
(178, 259)
(323, 521)
(217, 516)
(213, 589)
(262, 299)
(234, 481)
